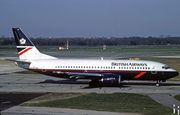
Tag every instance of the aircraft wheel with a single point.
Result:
(157, 83)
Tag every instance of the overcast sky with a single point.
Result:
(91, 18)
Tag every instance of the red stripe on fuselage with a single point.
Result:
(139, 75)
(24, 51)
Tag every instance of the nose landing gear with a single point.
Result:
(157, 83)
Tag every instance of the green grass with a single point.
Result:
(164, 49)
(113, 50)
(116, 102)
(177, 97)
(8, 48)
(169, 53)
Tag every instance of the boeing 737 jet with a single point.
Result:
(110, 72)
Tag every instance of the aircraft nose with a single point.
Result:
(171, 74)
(176, 73)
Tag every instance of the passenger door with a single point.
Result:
(153, 69)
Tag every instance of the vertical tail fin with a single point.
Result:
(26, 49)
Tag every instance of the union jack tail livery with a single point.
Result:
(26, 49)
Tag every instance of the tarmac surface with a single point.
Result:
(57, 111)
(18, 88)
(165, 99)
(41, 83)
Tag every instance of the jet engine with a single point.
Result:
(111, 79)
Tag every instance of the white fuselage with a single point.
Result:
(129, 69)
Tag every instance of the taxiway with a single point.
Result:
(42, 83)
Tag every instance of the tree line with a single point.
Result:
(98, 41)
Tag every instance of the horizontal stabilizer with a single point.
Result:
(18, 61)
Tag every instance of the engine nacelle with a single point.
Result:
(111, 79)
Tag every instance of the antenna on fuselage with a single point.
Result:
(102, 58)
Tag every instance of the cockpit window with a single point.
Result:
(165, 67)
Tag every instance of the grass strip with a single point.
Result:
(177, 97)
(116, 102)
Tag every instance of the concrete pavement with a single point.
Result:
(164, 99)
(22, 110)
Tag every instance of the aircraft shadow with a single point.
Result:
(13, 99)
(123, 84)
(69, 81)
(110, 86)
(74, 81)
(4, 73)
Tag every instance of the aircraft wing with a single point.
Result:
(85, 75)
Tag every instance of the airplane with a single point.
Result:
(100, 72)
